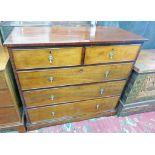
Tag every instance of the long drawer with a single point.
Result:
(5, 98)
(8, 115)
(47, 57)
(71, 76)
(104, 54)
(72, 93)
(67, 111)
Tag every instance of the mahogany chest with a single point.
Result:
(10, 114)
(67, 74)
(139, 94)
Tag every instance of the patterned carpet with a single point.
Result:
(140, 123)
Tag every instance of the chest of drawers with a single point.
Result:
(69, 74)
(10, 115)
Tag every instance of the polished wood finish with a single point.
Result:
(104, 54)
(70, 76)
(72, 93)
(5, 98)
(39, 58)
(4, 57)
(3, 83)
(11, 86)
(65, 111)
(65, 81)
(145, 62)
(58, 35)
(8, 115)
(8, 94)
(42, 124)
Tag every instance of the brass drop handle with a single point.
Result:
(50, 79)
(111, 54)
(53, 114)
(101, 91)
(97, 107)
(50, 58)
(51, 97)
(107, 73)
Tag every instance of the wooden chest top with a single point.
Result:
(145, 62)
(58, 35)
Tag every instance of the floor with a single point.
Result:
(139, 123)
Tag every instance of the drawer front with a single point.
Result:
(104, 54)
(68, 111)
(3, 83)
(8, 115)
(71, 76)
(42, 58)
(72, 93)
(5, 98)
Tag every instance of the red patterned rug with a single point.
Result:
(140, 123)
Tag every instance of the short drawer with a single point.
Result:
(43, 58)
(104, 54)
(72, 93)
(71, 110)
(5, 98)
(71, 76)
(8, 115)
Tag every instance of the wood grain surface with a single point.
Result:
(81, 52)
(72, 93)
(5, 98)
(8, 115)
(9, 100)
(4, 57)
(51, 122)
(39, 58)
(65, 111)
(70, 76)
(145, 62)
(61, 35)
(104, 54)
(3, 83)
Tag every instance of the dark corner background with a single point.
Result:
(143, 28)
